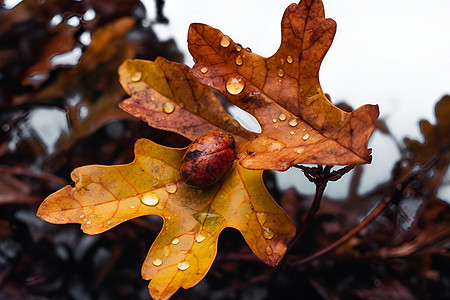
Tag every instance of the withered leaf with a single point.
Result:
(299, 124)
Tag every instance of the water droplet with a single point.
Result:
(289, 59)
(280, 72)
(299, 150)
(239, 60)
(269, 250)
(248, 49)
(235, 85)
(167, 218)
(204, 70)
(175, 241)
(247, 216)
(282, 117)
(199, 238)
(282, 61)
(168, 107)
(150, 199)
(293, 122)
(268, 234)
(262, 217)
(166, 251)
(133, 206)
(136, 76)
(275, 146)
(238, 47)
(88, 222)
(157, 262)
(305, 136)
(85, 220)
(184, 265)
(171, 188)
(225, 41)
(274, 120)
(292, 133)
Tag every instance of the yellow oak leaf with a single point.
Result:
(183, 252)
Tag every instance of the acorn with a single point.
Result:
(208, 159)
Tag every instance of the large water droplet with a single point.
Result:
(157, 262)
(204, 70)
(262, 217)
(184, 265)
(199, 238)
(282, 117)
(293, 122)
(289, 59)
(175, 241)
(239, 60)
(235, 85)
(171, 188)
(268, 234)
(150, 199)
(168, 107)
(225, 41)
(280, 72)
(305, 136)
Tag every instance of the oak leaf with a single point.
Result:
(299, 124)
(105, 196)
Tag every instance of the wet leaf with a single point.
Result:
(167, 96)
(105, 196)
(299, 124)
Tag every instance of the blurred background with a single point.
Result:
(59, 91)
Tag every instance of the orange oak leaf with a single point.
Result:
(105, 196)
(299, 124)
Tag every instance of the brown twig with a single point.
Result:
(44, 176)
(395, 195)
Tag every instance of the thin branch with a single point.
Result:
(44, 176)
(396, 195)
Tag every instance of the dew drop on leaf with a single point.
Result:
(262, 217)
(282, 117)
(292, 133)
(175, 241)
(136, 76)
(234, 85)
(239, 60)
(280, 72)
(289, 59)
(293, 122)
(275, 146)
(274, 120)
(268, 234)
(204, 70)
(150, 199)
(184, 265)
(157, 262)
(305, 136)
(225, 41)
(269, 250)
(199, 238)
(238, 47)
(299, 150)
(166, 251)
(248, 49)
(168, 107)
(171, 188)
